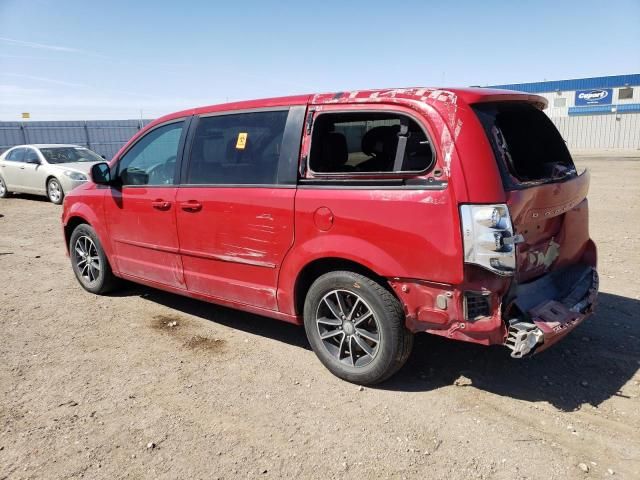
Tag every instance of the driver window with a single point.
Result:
(30, 155)
(152, 160)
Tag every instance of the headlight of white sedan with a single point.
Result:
(75, 175)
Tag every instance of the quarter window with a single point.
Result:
(242, 148)
(368, 142)
(152, 160)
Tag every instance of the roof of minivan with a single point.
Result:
(396, 95)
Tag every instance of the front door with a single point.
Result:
(235, 206)
(141, 211)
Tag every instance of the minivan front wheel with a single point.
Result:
(54, 191)
(356, 327)
(89, 261)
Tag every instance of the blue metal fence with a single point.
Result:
(105, 137)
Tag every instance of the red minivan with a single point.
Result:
(366, 215)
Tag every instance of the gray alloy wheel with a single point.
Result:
(87, 260)
(3, 189)
(348, 328)
(54, 191)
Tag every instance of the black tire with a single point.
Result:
(98, 280)
(55, 194)
(4, 192)
(382, 358)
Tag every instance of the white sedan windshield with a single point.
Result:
(69, 154)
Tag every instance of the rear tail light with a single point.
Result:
(488, 238)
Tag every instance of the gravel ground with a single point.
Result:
(102, 387)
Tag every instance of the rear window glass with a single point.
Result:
(368, 142)
(525, 142)
(242, 148)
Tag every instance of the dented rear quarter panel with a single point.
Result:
(395, 233)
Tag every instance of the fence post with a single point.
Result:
(86, 134)
(24, 133)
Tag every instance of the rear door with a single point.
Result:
(12, 168)
(141, 211)
(236, 203)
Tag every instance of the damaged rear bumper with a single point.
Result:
(553, 305)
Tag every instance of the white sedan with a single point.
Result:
(50, 170)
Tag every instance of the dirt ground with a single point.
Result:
(88, 383)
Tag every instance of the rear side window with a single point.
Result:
(368, 142)
(238, 149)
(525, 141)
(16, 155)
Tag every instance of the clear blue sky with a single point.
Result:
(68, 59)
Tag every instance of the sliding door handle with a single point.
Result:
(191, 206)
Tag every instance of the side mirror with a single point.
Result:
(33, 161)
(103, 157)
(101, 174)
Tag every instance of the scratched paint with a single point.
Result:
(539, 258)
(439, 200)
(240, 251)
(397, 195)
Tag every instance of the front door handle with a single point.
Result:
(161, 204)
(191, 206)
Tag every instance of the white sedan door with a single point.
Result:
(10, 169)
(33, 172)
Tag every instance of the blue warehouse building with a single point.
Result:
(592, 114)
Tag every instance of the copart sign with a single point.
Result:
(596, 96)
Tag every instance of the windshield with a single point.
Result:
(69, 154)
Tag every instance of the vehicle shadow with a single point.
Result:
(589, 366)
(28, 196)
(236, 319)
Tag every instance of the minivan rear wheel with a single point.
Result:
(89, 261)
(356, 327)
